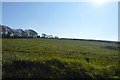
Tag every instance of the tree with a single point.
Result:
(51, 36)
(38, 36)
(56, 37)
(44, 35)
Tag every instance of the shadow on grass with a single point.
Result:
(25, 69)
(49, 69)
(53, 68)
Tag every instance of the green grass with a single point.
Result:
(54, 58)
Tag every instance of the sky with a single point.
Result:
(83, 20)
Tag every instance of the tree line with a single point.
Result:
(48, 36)
(7, 32)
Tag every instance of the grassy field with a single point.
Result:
(56, 58)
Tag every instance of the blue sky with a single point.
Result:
(84, 20)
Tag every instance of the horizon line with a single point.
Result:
(91, 39)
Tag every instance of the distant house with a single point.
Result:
(31, 33)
